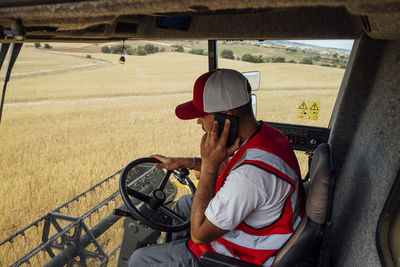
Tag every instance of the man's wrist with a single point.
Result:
(194, 162)
(209, 169)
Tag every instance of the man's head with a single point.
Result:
(216, 91)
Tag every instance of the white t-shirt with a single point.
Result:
(249, 194)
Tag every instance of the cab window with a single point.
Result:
(299, 81)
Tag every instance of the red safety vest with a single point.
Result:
(269, 150)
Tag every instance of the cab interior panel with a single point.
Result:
(366, 150)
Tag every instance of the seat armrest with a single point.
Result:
(213, 259)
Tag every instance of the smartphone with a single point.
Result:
(233, 132)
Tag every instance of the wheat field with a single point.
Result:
(69, 121)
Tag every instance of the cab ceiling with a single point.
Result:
(105, 20)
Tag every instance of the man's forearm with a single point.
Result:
(204, 194)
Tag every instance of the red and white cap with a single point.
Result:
(215, 91)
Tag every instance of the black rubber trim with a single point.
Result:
(391, 207)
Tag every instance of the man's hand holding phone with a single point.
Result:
(214, 149)
(233, 130)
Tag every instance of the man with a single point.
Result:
(246, 206)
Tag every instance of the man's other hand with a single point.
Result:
(172, 163)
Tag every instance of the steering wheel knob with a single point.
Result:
(158, 199)
(159, 195)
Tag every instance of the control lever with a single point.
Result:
(121, 212)
(181, 176)
(311, 147)
(310, 152)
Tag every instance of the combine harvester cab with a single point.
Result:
(353, 163)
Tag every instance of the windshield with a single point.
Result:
(75, 114)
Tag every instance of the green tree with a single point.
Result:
(141, 51)
(178, 48)
(250, 58)
(150, 49)
(197, 51)
(226, 53)
(116, 49)
(37, 45)
(317, 58)
(247, 57)
(121, 49)
(106, 49)
(306, 60)
(279, 60)
(130, 50)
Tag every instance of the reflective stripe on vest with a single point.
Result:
(256, 154)
(267, 242)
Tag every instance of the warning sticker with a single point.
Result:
(308, 110)
(303, 105)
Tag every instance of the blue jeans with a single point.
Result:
(170, 254)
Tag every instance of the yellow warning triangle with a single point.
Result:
(303, 106)
(314, 107)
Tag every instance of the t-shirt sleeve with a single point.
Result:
(247, 191)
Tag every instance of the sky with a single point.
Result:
(344, 44)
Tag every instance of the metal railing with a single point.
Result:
(71, 245)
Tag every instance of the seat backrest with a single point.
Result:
(304, 245)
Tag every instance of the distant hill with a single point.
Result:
(267, 51)
(301, 44)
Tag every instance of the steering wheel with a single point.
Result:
(154, 209)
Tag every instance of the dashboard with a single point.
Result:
(301, 137)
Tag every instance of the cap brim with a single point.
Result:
(187, 111)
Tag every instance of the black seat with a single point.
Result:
(304, 246)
